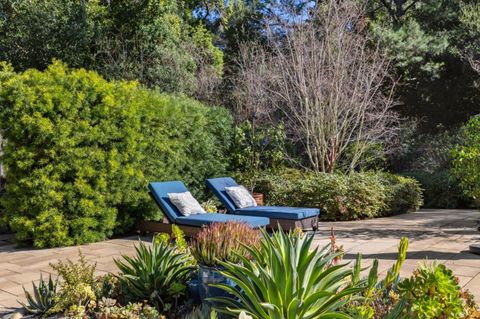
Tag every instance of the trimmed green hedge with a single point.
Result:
(339, 196)
(80, 151)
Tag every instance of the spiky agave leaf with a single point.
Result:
(157, 273)
(43, 298)
(286, 279)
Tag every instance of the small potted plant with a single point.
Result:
(220, 242)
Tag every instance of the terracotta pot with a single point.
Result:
(258, 198)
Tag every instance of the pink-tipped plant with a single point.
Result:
(222, 242)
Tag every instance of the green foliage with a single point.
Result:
(339, 196)
(43, 298)
(154, 42)
(404, 194)
(108, 308)
(79, 151)
(441, 189)
(428, 159)
(256, 147)
(177, 237)
(372, 158)
(185, 141)
(202, 312)
(286, 279)
(466, 159)
(76, 284)
(427, 41)
(106, 286)
(73, 142)
(223, 242)
(157, 274)
(378, 299)
(412, 48)
(432, 292)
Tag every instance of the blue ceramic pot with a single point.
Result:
(210, 275)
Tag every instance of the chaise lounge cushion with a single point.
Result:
(207, 219)
(186, 203)
(159, 192)
(279, 212)
(240, 196)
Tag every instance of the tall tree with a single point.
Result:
(426, 39)
(321, 77)
(155, 42)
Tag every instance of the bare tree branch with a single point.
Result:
(323, 78)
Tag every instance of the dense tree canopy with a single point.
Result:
(155, 42)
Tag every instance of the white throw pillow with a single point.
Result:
(241, 196)
(186, 203)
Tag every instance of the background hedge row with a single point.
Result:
(80, 151)
(339, 196)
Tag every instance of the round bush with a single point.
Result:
(80, 151)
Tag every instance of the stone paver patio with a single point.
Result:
(442, 235)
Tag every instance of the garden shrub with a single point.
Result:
(404, 194)
(432, 292)
(441, 189)
(76, 284)
(80, 151)
(466, 159)
(339, 196)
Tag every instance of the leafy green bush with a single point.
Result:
(287, 279)
(177, 237)
(404, 193)
(157, 274)
(441, 189)
(155, 43)
(258, 147)
(432, 292)
(80, 150)
(77, 283)
(339, 196)
(466, 159)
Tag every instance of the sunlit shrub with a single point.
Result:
(339, 196)
(79, 151)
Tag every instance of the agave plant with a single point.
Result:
(286, 279)
(157, 274)
(43, 298)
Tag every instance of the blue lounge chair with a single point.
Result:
(286, 217)
(189, 224)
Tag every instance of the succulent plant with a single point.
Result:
(287, 279)
(43, 297)
(157, 274)
(224, 242)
